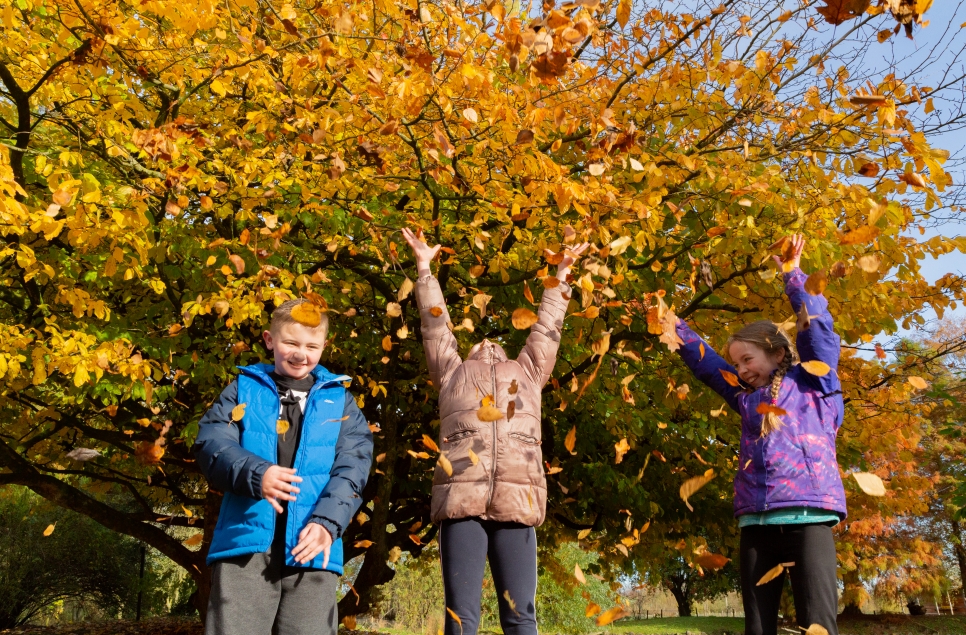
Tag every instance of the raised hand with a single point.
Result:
(277, 485)
(571, 255)
(791, 257)
(423, 253)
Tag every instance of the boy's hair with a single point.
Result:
(282, 315)
(771, 338)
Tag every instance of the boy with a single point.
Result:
(291, 451)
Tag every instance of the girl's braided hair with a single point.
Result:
(771, 338)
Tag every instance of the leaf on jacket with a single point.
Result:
(404, 290)
(592, 609)
(363, 544)
(238, 412)
(307, 314)
(523, 318)
(816, 283)
(917, 382)
(610, 615)
(513, 387)
(444, 463)
(700, 351)
(49, 530)
(489, 413)
(571, 440)
(712, 561)
(767, 408)
(474, 459)
(579, 574)
(621, 448)
(692, 485)
(435, 311)
(772, 573)
(511, 409)
(817, 368)
(429, 443)
(730, 378)
(870, 483)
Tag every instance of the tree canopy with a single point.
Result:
(174, 170)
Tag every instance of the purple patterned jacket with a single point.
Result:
(795, 466)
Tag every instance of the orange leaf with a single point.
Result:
(764, 409)
(429, 443)
(307, 314)
(772, 573)
(523, 318)
(592, 610)
(238, 263)
(621, 448)
(816, 283)
(387, 343)
(712, 561)
(571, 440)
(436, 311)
(730, 378)
(49, 530)
(817, 368)
(527, 293)
(363, 544)
(860, 235)
(611, 615)
(552, 258)
(917, 382)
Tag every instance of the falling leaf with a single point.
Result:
(238, 262)
(474, 459)
(444, 463)
(712, 561)
(859, 236)
(523, 318)
(866, 100)
(730, 378)
(816, 283)
(913, 178)
(765, 408)
(870, 169)
(773, 573)
(804, 320)
(611, 615)
(816, 367)
(82, 454)
(418, 455)
(583, 533)
(480, 301)
(814, 629)
(489, 413)
(592, 608)
(435, 311)
(869, 264)
(621, 448)
(571, 440)
(194, 540)
(579, 574)
(720, 411)
(307, 314)
(870, 483)
(692, 485)
(917, 382)
(405, 289)
(880, 352)
(349, 621)
(429, 443)
(363, 544)
(552, 258)
(838, 11)
(282, 426)
(387, 343)
(470, 115)
(682, 391)
(238, 412)
(393, 309)
(49, 530)
(456, 617)
(701, 351)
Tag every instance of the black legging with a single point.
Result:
(464, 546)
(814, 585)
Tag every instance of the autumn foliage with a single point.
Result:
(174, 170)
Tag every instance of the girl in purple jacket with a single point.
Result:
(788, 491)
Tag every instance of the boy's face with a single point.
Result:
(297, 348)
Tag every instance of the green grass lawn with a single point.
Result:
(879, 625)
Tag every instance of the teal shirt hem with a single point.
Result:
(790, 516)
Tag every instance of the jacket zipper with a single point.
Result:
(489, 496)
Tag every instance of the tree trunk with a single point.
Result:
(202, 576)
(678, 586)
(959, 549)
(853, 594)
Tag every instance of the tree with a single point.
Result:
(176, 169)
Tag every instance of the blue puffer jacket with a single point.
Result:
(796, 465)
(333, 458)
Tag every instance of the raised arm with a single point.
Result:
(539, 355)
(442, 350)
(707, 365)
(818, 341)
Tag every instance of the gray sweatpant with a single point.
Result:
(258, 595)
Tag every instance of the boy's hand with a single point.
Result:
(791, 256)
(277, 485)
(570, 257)
(313, 540)
(424, 253)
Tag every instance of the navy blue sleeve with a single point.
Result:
(342, 495)
(707, 365)
(819, 342)
(225, 463)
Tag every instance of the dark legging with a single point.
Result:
(814, 585)
(464, 546)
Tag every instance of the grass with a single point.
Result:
(675, 625)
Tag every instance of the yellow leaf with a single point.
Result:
(489, 413)
(429, 443)
(917, 382)
(621, 448)
(571, 440)
(815, 629)
(583, 533)
(474, 459)
(418, 455)
(692, 485)
(610, 615)
(393, 309)
(523, 318)
(870, 483)
(405, 289)
(579, 574)
(623, 12)
(772, 573)
(817, 368)
(592, 610)
(444, 463)
(282, 426)
(238, 412)
(49, 530)
(307, 314)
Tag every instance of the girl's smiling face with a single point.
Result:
(754, 365)
(297, 348)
